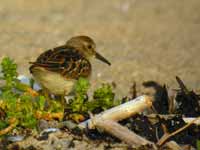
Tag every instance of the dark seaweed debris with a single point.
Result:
(160, 97)
(142, 126)
(188, 101)
(95, 134)
(188, 136)
(187, 105)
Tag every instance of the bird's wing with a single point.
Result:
(66, 61)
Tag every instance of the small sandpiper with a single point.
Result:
(58, 69)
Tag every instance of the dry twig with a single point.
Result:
(49, 116)
(167, 135)
(13, 122)
(121, 112)
(121, 132)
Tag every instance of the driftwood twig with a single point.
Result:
(121, 112)
(167, 135)
(121, 132)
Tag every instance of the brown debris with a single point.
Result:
(49, 116)
(13, 122)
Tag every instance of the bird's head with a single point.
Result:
(86, 46)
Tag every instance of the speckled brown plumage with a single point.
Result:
(66, 63)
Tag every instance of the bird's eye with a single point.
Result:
(89, 46)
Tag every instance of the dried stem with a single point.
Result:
(121, 132)
(166, 136)
(49, 116)
(121, 112)
(13, 122)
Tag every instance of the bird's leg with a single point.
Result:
(63, 102)
(62, 99)
(47, 96)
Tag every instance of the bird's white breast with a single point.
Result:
(52, 81)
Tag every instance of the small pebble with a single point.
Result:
(15, 138)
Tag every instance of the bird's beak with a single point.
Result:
(100, 57)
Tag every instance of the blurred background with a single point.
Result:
(144, 39)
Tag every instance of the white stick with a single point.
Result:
(123, 133)
(121, 112)
(189, 120)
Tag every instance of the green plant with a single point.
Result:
(21, 103)
(103, 98)
(17, 102)
(9, 73)
(198, 144)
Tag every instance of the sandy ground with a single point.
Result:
(144, 39)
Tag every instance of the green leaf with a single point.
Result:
(198, 144)
(104, 96)
(41, 103)
(28, 120)
(82, 86)
(3, 124)
(55, 106)
(9, 71)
